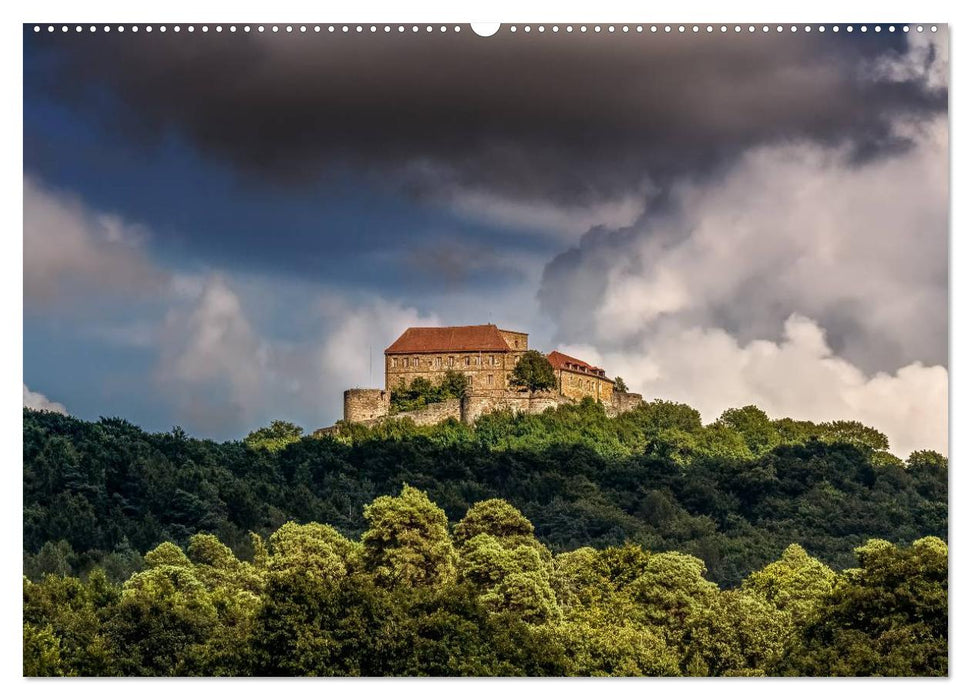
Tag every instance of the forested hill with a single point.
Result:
(734, 493)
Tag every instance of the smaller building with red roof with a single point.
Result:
(577, 379)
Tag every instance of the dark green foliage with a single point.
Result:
(620, 384)
(422, 391)
(533, 372)
(313, 627)
(97, 494)
(274, 437)
(412, 599)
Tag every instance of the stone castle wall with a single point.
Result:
(622, 402)
(372, 406)
(520, 402)
(434, 412)
(431, 414)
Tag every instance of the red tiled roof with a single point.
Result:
(572, 364)
(485, 338)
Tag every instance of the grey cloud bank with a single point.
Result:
(574, 120)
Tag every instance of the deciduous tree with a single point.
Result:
(407, 542)
(533, 372)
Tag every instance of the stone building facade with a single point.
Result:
(486, 355)
(576, 379)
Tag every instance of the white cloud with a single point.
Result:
(72, 251)
(39, 402)
(798, 377)
(351, 351)
(211, 359)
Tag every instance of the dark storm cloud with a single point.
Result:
(567, 119)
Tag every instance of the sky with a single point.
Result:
(221, 229)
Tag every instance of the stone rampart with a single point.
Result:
(517, 401)
(622, 402)
(371, 406)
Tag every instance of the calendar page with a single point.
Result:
(550, 349)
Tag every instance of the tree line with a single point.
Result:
(415, 595)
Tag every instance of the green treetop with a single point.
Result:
(275, 436)
(533, 372)
(408, 541)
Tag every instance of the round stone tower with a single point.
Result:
(366, 404)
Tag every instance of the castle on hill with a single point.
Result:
(486, 355)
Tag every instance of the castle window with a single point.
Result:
(468, 361)
(417, 362)
(489, 379)
(492, 360)
(394, 362)
(451, 362)
(438, 362)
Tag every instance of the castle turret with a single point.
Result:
(366, 404)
